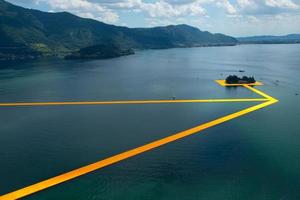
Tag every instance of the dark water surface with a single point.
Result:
(256, 156)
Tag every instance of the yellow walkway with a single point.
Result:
(266, 101)
(128, 102)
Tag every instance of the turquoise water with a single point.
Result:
(256, 156)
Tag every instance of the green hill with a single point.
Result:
(34, 33)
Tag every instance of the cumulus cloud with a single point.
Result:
(83, 8)
(267, 7)
(108, 9)
(165, 9)
(230, 9)
(216, 14)
(288, 4)
(162, 8)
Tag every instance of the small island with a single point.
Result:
(233, 79)
(103, 51)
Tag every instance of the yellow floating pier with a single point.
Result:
(265, 101)
(127, 102)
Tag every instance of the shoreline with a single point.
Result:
(62, 56)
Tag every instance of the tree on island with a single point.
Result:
(233, 79)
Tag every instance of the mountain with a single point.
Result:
(36, 33)
(269, 39)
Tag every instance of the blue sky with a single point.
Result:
(233, 17)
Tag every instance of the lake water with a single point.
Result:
(256, 156)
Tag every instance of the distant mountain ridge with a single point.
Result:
(270, 39)
(32, 33)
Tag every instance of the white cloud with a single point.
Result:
(107, 10)
(162, 8)
(227, 16)
(84, 8)
(288, 4)
(246, 3)
(267, 7)
(229, 8)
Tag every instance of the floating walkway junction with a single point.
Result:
(265, 101)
